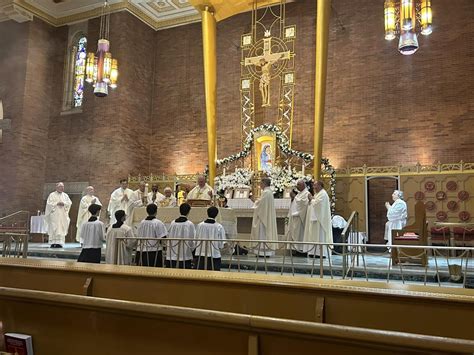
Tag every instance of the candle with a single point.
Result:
(146, 190)
(223, 172)
(302, 168)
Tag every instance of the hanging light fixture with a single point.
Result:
(101, 68)
(407, 18)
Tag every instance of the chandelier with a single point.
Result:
(101, 68)
(407, 18)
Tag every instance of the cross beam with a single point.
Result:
(5, 124)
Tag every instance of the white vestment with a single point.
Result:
(297, 218)
(214, 232)
(116, 203)
(119, 253)
(155, 199)
(397, 219)
(264, 226)
(180, 250)
(318, 227)
(200, 193)
(167, 202)
(152, 229)
(93, 234)
(83, 215)
(56, 217)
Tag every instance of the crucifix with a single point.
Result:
(265, 62)
(4, 123)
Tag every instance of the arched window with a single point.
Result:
(74, 73)
(79, 71)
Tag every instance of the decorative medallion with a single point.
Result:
(441, 195)
(430, 206)
(452, 205)
(419, 196)
(441, 216)
(430, 186)
(464, 216)
(451, 185)
(463, 195)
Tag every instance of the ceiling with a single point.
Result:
(157, 14)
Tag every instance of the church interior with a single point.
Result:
(329, 140)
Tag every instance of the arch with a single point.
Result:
(74, 78)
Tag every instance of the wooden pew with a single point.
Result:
(376, 305)
(73, 325)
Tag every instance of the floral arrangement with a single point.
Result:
(283, 178)
(241, 178)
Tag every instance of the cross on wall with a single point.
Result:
(5, 124)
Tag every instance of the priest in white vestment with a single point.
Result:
(83, 214)
(264, 226)
(318, 226)
(121, 199)
(396, 214)
(56, 216)
(168, 199)
(201, 191)
(155, 196)
(140, 196)
(119, 252)
(297, 215)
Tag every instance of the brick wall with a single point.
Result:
(381, 109)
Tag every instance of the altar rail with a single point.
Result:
(72, 324)
(14, 234)
(408, 308)
(345, 261)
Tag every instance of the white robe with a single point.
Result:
(200, 193)
(152, 229)
(318, 227)
(83, 214)
(119, 254)
(297, 218)
(93, 234)
(397, 218)
(116, 203)
(158, 197)
(167, 202)
(56, 217)
(213, 231)
(180, 250)
(264, 226)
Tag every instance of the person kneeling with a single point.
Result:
(92, 234)
(208, 252)
(179, 252)
(149, 252)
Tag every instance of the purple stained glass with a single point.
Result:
(79, 71)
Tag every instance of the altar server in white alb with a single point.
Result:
(93, 236)
(120, 254)
(201, 191)
(179, 252)
(264, 226)
(121, 199)
(56, 216)
(297, 215)
(208, 251)
(396, 215)
(83, 214)
(318, 226)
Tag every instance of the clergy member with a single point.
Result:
(140, 196)
(83, 214)
(168, 199)
(318, 226)
(179, 252)
(208, 251)
(264, 226)
(155, 196)
(121, 199)
(202, 191)
(396, 215)
(56, 216)
(93, 235)
(297, 215)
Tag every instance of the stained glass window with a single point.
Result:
(79, 71)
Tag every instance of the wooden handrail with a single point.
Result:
(247, 322)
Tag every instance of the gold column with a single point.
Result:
(322, 35)
(210, 75)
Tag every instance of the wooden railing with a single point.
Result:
(70, 324)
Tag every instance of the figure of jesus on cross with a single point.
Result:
(265, 62)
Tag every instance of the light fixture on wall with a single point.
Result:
(101, 68)
(407, 18)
